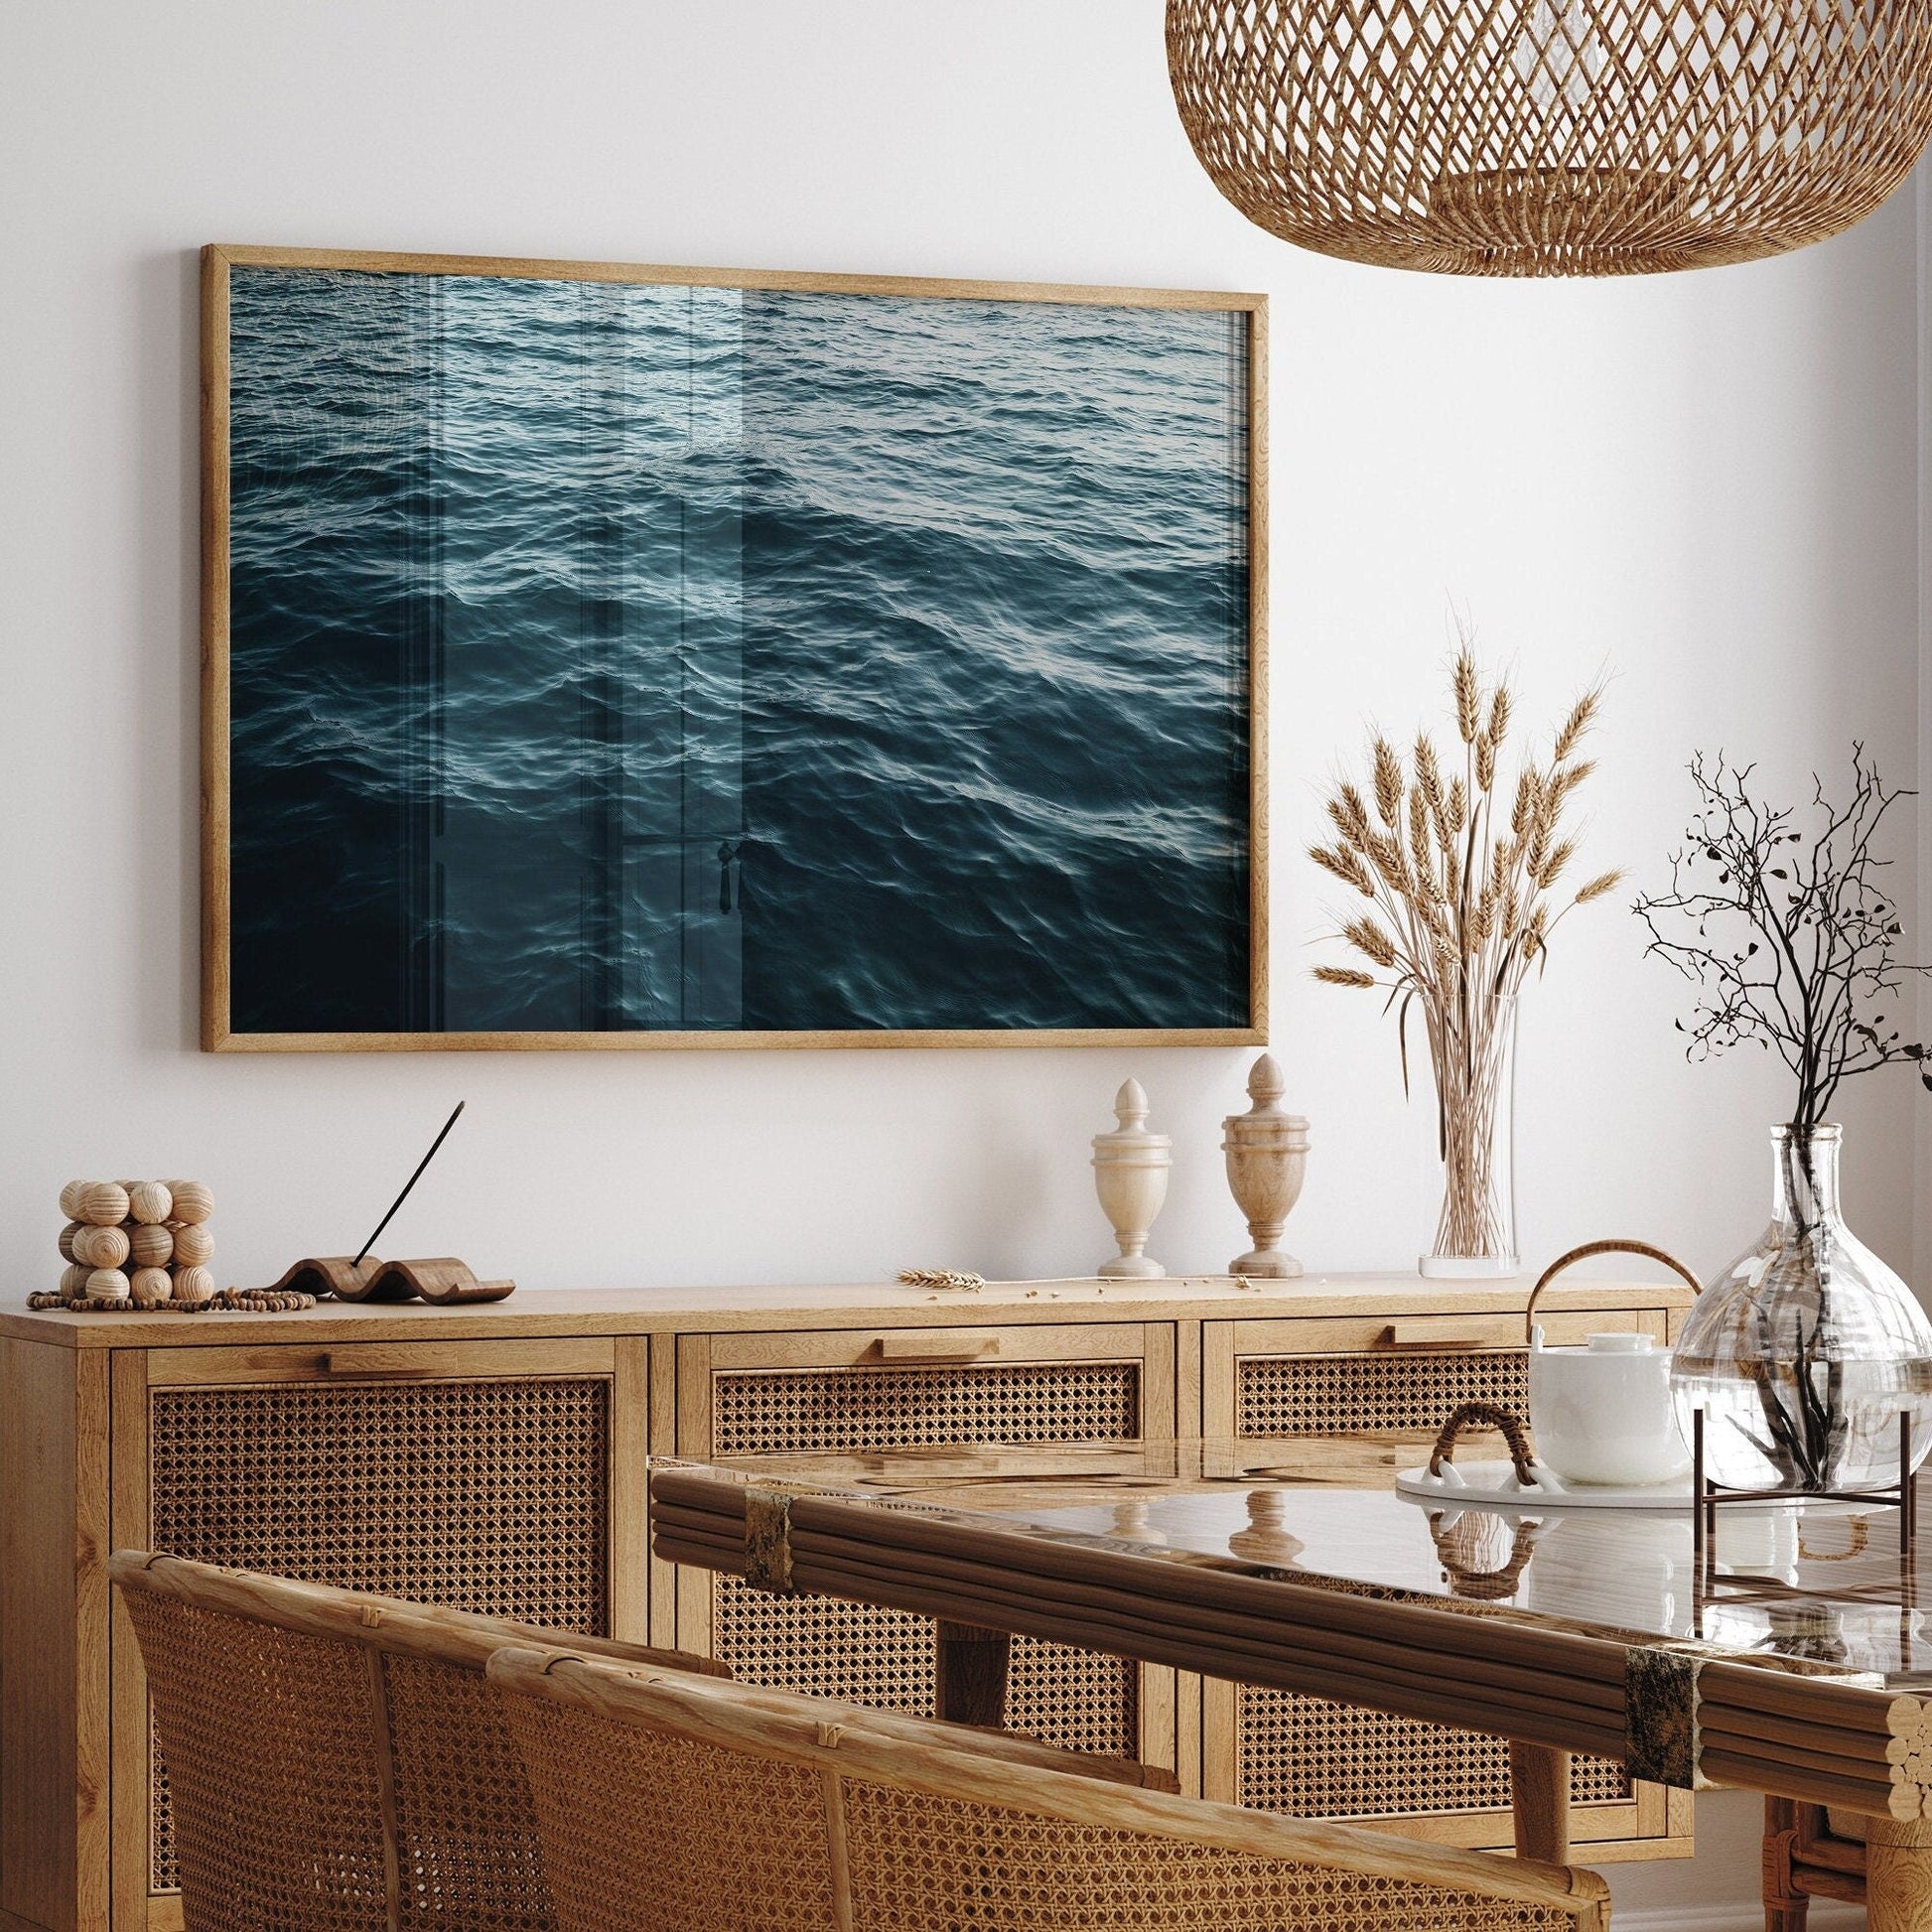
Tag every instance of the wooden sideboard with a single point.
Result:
(493, 1458)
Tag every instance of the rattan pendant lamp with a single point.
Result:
(1554, 137)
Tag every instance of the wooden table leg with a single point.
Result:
(1786, 1903)
(1897, 1876)
(971, 1669)
(1538, 1795)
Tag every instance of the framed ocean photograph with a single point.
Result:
(602, 656)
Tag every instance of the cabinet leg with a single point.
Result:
(1538, 1795)
(971, 1668)
(1899, 1875)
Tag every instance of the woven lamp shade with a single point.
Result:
(1554, 137)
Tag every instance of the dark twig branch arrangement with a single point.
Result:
(1791, 938)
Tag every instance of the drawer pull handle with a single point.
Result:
(1418, 1334)
(364, 1368)
(936, 1349)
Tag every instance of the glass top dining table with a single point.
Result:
(1815, 1583)
(1784, 1653)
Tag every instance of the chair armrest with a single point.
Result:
(957, 1762)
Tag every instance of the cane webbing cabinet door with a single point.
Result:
(1396, 1378)
(488, 1475)
(746, 1394)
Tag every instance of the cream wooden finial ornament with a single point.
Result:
(1130, 1174)
(1266, 1537)
(1267, 1152)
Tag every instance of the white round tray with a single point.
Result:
(1493, 1485)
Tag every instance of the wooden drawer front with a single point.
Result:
(1311, 1759)
(489, 1494)
(962, 1392)
(1390, 1393)
(896, 1408)
(1380, 1375)
(383, 1362)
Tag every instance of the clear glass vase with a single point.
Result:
(1473, 1052)
(1803, 1353)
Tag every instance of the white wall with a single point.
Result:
(1923, 1226)
(1704, 483)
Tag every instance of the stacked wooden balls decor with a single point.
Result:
(135, 1244)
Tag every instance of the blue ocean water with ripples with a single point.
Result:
(625, 658)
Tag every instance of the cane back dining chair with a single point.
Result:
(336, 1760)
(670, 1803)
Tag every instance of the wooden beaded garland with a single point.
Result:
(261, 1300)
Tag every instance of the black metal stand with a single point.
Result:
(1707, 1498)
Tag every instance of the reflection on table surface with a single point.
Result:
(1819, 1580)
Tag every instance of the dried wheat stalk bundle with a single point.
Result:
(1464, 877)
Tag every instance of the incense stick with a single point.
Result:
(412, 1180)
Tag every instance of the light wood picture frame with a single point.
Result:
(607, 656)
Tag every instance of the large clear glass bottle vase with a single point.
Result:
(1803, 1353)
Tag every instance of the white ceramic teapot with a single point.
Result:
(1602, 1414)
